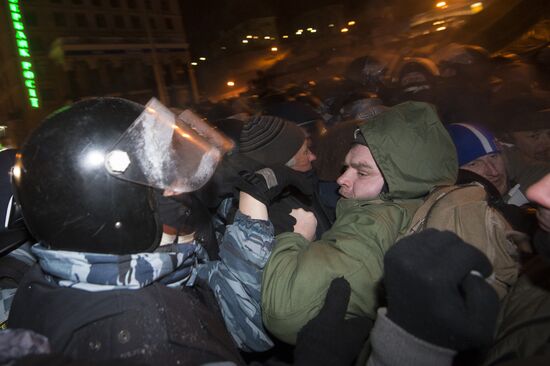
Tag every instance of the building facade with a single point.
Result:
(55, 52)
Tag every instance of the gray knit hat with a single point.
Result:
(270, 140)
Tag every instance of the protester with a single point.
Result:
(398, 157)
(464, 90)
(479, 151)
(270, 140)
(523, 328)
(524, 123)
(427, 321)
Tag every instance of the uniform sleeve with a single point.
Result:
(236, 279)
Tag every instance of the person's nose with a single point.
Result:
(491, 169)
(344, 179)
(312, 156)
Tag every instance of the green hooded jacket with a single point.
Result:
(414, 153)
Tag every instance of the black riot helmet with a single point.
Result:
(84, 176)
(69, 202)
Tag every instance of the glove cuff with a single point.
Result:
(386, 337)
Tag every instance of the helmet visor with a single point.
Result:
(175, 154)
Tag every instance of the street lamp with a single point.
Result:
(231, 83)
(441, 5)
(476, 7)
(274, 49)
(344, 30)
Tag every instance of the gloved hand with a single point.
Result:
(279, 215)
(437, 292)
(329, 339)
(267, 183)
(173, 210)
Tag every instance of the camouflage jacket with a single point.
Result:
(236, 280)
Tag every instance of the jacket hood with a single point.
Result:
(412, 149)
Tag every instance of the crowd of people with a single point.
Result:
(391, 217)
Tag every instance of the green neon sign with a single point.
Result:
(29, 77)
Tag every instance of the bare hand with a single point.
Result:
(306, 223)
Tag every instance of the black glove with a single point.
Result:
(173, 211)
(329, 339)
(279, 215)
(267, 183)
(433, 294)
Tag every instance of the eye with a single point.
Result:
(362, 174)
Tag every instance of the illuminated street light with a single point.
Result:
(256, 37)
(285, 36)
(249, 36)
(351, 22)
(438, 22)
(441, 4)
(331, 25)
(244, 41)
(313, 30)
(441, 29)
(299, 32)
(309, 29)
(230, 83)
(344, 30)
(202, 58)
(267, 37)
(274, 49)
(194, 63)
(476, 7)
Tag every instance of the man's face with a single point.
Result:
(362, 178)
(303, 158)
(533, 144)
(492, 168)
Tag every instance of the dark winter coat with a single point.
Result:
(153, 325)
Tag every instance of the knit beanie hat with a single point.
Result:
(471, 141)
(270, 140)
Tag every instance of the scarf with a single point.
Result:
(171, 265)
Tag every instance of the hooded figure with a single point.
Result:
(412, 153)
